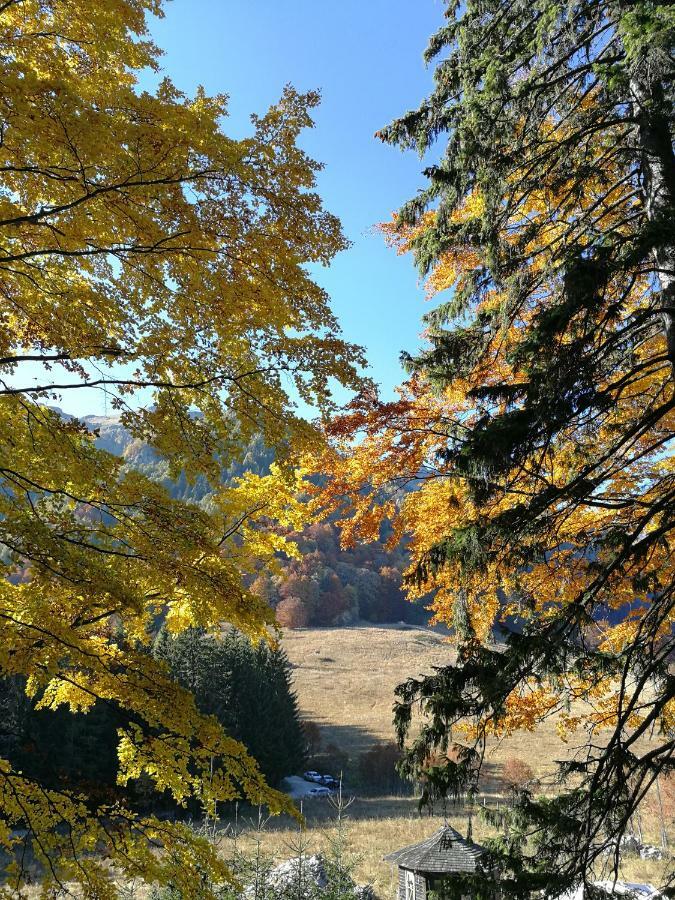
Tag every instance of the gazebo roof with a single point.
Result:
(446, 851)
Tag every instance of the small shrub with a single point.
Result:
(292, 613)
(312, 733)
(169, 892)
(377, 768)
(517, 773)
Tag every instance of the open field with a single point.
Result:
(376, 826)
(345, 680)
(345, 677)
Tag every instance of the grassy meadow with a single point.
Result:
(345, 680)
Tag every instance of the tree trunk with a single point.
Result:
(657, 170)
(664, 832)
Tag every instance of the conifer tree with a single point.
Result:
(340, 862)
(246, 687)
(538, 420)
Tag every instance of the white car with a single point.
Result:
(329, 782)
(312, 776)
(319, 792)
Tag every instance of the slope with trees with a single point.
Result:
(248, 688)
(333, 585)
(538, 422)
(326, 584)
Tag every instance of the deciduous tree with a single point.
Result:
(516, 773)
(293, 613)
(146, 255)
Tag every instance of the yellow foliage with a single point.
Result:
(406, 451)
(147, 255)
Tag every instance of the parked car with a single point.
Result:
(319, 792)
(312, 776)
(329, 782)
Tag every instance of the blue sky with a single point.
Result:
(365, 56)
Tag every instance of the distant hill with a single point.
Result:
(114, 437)
(329, 585)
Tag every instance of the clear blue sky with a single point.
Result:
(365, 56)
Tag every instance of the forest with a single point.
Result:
(329, 584)
(247, 689)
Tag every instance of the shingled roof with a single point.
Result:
(444, 852)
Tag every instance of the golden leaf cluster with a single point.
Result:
(149, 257)
(397, 461)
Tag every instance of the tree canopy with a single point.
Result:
(147, 255)
(246, 687)
(537, 422)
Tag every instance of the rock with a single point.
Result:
(313, 870)
(630, 889)
(364, 892)
(627, 889)
(630, 844)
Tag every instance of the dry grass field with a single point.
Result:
(377, 826)
(345, 677)
(345, 680)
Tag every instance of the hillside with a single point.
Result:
(345, 677)
(345, 680)
(328, 585)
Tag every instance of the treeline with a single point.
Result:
(247, 688)
(330, 585)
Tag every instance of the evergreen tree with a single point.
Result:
(270, 720)
(248, 689)
(340, 862)
(56, 747)
(199, 663)
(538, 422)
(573, 100)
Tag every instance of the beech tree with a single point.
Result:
(537, 422)
(147, 255)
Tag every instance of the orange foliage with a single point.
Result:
(292, 613)
(379, 450)
(516, 773)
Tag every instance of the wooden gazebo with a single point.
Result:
(422, 866)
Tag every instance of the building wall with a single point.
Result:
(420, 885)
